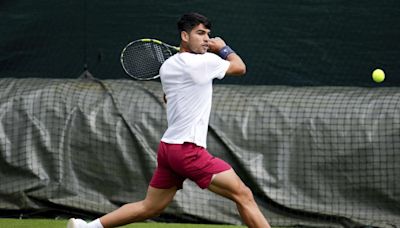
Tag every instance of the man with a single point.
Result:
(186, 79)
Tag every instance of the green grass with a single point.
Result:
(47, 223)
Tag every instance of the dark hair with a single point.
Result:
(190, 20)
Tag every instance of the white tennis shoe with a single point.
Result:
(76, 223)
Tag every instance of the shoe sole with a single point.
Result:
(71, 223)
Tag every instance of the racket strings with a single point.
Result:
(143, 60)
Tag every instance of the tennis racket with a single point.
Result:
(142, 59)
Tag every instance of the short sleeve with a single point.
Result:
(203, 68)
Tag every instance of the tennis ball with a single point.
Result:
(378, 75)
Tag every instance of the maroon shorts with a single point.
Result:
(176, 162)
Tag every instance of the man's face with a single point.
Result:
(197, 39)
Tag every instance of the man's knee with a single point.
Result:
(153, 209)
(155, 212)
(244, 195)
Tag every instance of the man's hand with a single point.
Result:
(237, 66)
(216, 44)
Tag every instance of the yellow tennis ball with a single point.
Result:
(378, 75)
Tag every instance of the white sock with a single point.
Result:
(95, 224)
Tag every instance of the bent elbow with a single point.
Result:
(243, 70)
(239, 71)
(237, 68)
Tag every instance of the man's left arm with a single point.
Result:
(236, 67)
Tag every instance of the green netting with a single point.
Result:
(324, 43)
(323, 156)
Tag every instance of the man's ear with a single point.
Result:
(185, 36)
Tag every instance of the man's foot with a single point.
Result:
(76, 223)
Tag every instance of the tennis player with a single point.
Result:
(187, 79)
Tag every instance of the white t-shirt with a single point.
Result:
(187, 83)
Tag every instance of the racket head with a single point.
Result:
(142, 59)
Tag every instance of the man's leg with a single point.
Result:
(229, 185)
(155, 202)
